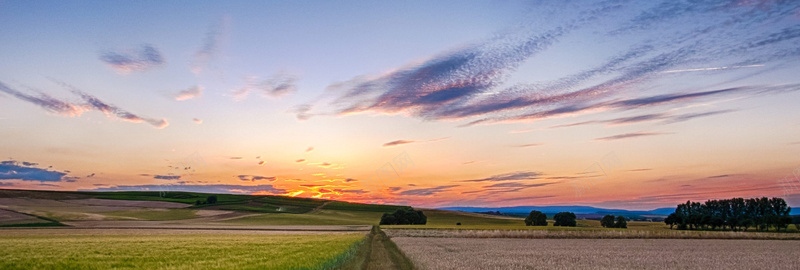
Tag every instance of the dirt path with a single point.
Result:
(385, 254)
(318, 208)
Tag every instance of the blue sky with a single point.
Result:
(696, 100)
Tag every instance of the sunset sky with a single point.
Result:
(624, 104)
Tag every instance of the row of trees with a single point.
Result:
(537, 218)
(609, 221)
(732, 214)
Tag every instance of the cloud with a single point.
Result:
(143, 58)
(189, 93)
(300, 160)
(470, 81)
(397, 142)
(197, 121)
(427, 191)
(351, 191)
(528, 145)
(348, 180)
(400, 142)
(253, 178)
(111, 110)
(278, 85)
(513, 176)
(629, 135)
(211, 46)
(13, 170)
(515, 185)
(167, 177)
(47, 102)
(227, 189)
(665, 118)
(90, 103)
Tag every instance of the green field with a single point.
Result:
(165, 214)
(30, 250)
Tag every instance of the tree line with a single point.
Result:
(537, 218)
(732, 214)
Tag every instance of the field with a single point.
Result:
(66, 248)
(494, 253)
(170, 230)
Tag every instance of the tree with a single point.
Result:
(607, 221)
(565, 219)
(796, 222)
(621, 223)
(536, 218)
(211, 199)
(404, 216)
(672, 220)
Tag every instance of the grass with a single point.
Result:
(191, 251)
(161, 214)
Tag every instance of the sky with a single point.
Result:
(619, 104)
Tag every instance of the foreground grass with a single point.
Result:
(200, 251)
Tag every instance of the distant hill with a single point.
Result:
(577, 209)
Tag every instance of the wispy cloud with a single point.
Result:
(397, 142)
(469, 82)
(211, 46)
(528, 145)
(27, 171)
(167, 177)
(665, 118)
(427, 191)
(140, 59)
(277, 86)
(512, 176)
(189, 93)
(228, 189)
(253, 178)
(89, 103)
(401, 142)
(46, 102)
(630, 135)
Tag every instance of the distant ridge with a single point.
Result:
(577, 209)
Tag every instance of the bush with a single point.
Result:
(211, 199)
(458, 223)
(607, 221)
(567, 219)
(536, 218)
(621, 223)
(404, 216)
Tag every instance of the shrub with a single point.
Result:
(536, 218)
(458, 223)
(567, 219)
